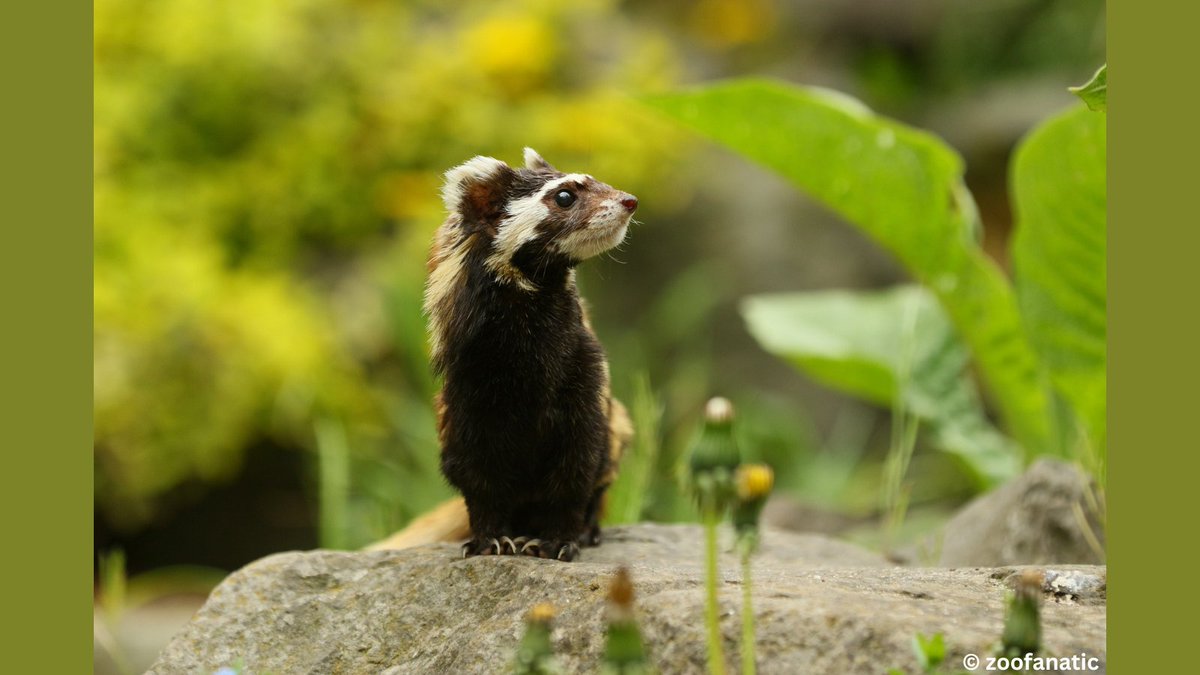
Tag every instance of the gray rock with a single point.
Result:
(1088, 585)
(787, 513)
(823, 607)
(1036, 519)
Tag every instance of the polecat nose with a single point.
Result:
(630, 203)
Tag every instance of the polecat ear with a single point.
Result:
(478, 190)
(534, 161)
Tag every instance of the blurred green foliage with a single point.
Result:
(856, 342)
(629, 495)
(1060, 259)
(266, 188)
(904, 188)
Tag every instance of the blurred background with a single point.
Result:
(266, 188)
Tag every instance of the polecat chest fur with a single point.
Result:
(529, 431)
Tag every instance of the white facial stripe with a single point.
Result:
(605, 230)
(517, 228)
(559, 182)
(478, 168)
(520, 227)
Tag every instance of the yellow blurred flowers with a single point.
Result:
(516, 51)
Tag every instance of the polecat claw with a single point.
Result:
(568, 551)
(482, 546)
(513, 546)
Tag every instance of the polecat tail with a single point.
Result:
(446, 522)
(620, 436)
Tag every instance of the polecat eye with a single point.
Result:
(564, 198)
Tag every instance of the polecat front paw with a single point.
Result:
(565, 551)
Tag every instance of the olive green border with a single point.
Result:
(1152, 272)
(45, 315)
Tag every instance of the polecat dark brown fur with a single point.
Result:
(530, 433)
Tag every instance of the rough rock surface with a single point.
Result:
(823, 607)
(1035, 519)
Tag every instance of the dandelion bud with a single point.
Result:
(1022, 625)
(623, 652)
(714, 457)
(535, 653)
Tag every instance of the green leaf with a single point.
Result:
(902, 187)
(1059, 253)
(1095, 92)
(930, 651)
(875, 344)
(629, 493)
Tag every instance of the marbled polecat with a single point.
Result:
(530, 433)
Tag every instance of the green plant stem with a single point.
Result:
(333, 471)
(747, 618)
(716, 656)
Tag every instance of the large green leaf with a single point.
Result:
(1059, 250)
(876, 344)
(904, 188)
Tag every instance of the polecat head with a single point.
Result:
(536, 218)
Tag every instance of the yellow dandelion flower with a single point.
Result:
(754, 481)
(542, 612)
